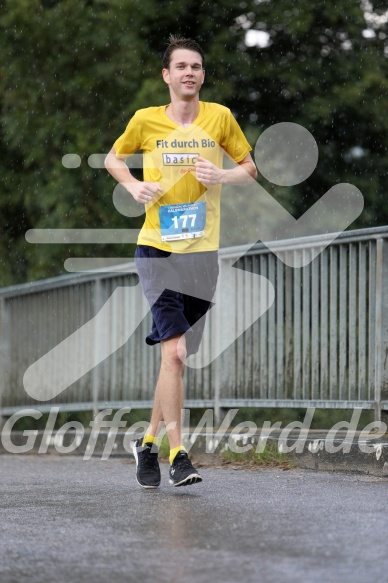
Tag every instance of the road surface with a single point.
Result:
(66, 520)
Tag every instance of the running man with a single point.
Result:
(183, 145)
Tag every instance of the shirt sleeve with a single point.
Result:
(130, 141)
(235, 143)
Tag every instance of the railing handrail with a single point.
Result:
(65, 280)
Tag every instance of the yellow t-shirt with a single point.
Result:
(168, 158)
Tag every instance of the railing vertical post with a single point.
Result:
(381, 347)
(99, 336)
(217, 363)
(4, 353)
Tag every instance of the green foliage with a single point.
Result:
(83, 417)
(73, 72)
(164, 448)
(65, 81)
(323, 419)
(269, 457)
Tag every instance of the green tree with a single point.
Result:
(67, 80)
(73, 72)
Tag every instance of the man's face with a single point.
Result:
(185, 75)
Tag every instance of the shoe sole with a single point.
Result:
(137, 463)
(192, 479)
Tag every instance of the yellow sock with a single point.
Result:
(148, 438)
(174, 451)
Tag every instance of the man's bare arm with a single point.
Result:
(142, 192)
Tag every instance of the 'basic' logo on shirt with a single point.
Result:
(181, 159)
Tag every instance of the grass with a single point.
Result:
(269, 458)
(164, 449)
(323, 418)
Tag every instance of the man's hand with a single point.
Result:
(207, 173)
(143, 192)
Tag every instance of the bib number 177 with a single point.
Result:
(184, 219)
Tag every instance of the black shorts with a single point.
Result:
(167, 279)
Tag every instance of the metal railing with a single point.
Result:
(322, 343)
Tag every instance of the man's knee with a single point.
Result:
(181, 350)
(174, 351)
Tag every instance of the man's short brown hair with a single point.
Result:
(176, 42)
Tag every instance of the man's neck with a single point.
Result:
(184, 113)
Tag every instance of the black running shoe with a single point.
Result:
(182, 472)
(147, 465)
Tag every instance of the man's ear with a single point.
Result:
(166, 75)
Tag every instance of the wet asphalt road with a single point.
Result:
(69, 520)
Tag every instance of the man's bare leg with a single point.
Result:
(168, 404)
(169, 393)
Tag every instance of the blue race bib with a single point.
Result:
(182, 221)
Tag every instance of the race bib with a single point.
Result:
(182, 221)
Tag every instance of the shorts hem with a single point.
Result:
(151, 341)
